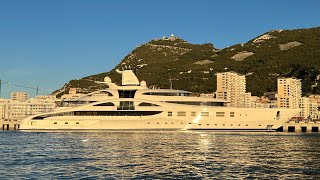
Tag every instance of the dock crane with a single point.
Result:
(18, 85)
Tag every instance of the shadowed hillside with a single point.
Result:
(193, 66)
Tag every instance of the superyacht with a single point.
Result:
(133, 106)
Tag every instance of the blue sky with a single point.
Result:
(46, 43)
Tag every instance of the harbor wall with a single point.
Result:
(7, 125)
(292, 126)
(302, 126)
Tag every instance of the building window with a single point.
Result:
(55, 123)
(77, 122)
(231, 114)
(219, 114)
(193, 114)
(204, 113)
(66, 123)
(180, 113)
(169, 113)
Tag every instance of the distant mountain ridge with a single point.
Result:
(279, 53)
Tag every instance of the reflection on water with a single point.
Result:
(159, 154)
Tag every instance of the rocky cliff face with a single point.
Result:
(192, 67)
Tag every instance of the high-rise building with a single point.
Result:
(313, 110)
(19, 96)
(231, 86)
(289, 93)
(305, 107)
(1, 111)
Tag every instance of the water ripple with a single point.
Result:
(159, 155)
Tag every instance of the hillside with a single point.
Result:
(280, 53)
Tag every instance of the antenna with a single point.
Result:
(170, 81)
(2, 82)
(37, 91)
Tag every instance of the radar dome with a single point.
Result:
(107, 79)
(143, 84)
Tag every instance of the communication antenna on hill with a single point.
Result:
(170, 81)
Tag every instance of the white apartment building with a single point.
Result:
(19, 96)
(305, 107)
(1, 111)
(289, 93)
(231, 86)
(17, 110)
(247, 100)
(313, 110)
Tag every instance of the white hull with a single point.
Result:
(244, 120)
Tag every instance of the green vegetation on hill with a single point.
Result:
(193, 66)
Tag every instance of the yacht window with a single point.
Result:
(105, 104)
(219, 114)
(166, 94)
(126, 93)
(169, 113)
(204, 113)
(181, 113)
(119, 113)
(197, 103)
(193, 113)
(126, 105)
(39, 117)
(103, 93)
(147, 104)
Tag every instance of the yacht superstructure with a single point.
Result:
(134, 106)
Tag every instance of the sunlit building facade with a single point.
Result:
(18, 110)
(231, 86)
(19, 96)
(289, 93)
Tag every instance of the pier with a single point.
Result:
(7, 125)
(302, 126)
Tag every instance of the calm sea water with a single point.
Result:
(159, 155)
